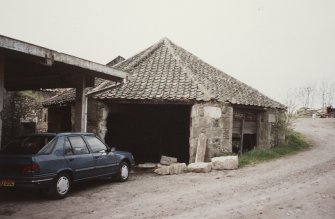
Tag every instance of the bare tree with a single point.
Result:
(306, 95)
(291, 104)
(326, 92)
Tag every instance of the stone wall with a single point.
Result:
(215, 120)
(278, 128)
(97, 113)
(271, 128)
(23, 114)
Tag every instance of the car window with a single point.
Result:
(67, 147)
(28, 145)
(47, 149)
(78, 145)
(95, 144)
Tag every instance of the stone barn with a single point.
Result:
(172, 97)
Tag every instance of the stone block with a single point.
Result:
(147, 165)
(225, 163)
(177, 168)
(200, 167)
(201, 148)
(165, 160)
(212, 112)
(164, 170)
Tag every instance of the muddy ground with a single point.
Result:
(297, 186)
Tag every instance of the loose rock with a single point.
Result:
(201, 148)
(163, 170)
(225, 163)
(200, 167)
(147, 165)
(165, 160)
(177, 168)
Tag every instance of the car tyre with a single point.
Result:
(60, 186)
(123, 173)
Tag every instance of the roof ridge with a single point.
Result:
(188, 71)
(147, 52)
(132, 65)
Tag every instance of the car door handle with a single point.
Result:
(97, 157)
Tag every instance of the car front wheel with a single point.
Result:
(61, 186)
(123, 171)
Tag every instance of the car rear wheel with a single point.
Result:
(123, 171)
(61, 186)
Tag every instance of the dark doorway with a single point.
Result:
(244, 130)
(59, 119)
(249, 142)
(149, 131)
(27, 128)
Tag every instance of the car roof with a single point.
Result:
(74, 133)
(61, 134)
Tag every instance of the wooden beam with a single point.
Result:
(242, 134)
(52, 57)
(2, 90)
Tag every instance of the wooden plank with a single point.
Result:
(242, 133)
(2, 90)
(237, 127)
(250, 127)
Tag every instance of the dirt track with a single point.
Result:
(298, 186)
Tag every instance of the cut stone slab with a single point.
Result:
(200, 167)
(147, 165)
(178, 168)
(201, 148)
(225, 163)
(165, 160)
(163, 170)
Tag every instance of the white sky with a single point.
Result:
(271, 45)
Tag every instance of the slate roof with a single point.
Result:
(167, 72)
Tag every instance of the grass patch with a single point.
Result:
(295, 143)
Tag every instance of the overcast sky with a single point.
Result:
(271, 45)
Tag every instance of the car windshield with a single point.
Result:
(29, 145)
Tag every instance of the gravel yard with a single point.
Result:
(297, 186)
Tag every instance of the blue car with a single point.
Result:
(55, 161)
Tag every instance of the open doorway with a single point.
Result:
(59, 119)
(244, 131)
(149, 131)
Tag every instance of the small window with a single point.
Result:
(95, 144)
(67, 147)
(78, 145)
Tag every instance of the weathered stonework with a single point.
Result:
(278, 128)
(215, 120)
(103, 111)
(23, 114)
(97, 113)
(270, 128)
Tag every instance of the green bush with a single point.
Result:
(32, 94)
(295, 142)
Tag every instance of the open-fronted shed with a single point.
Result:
(172, 96)
(24, 66)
